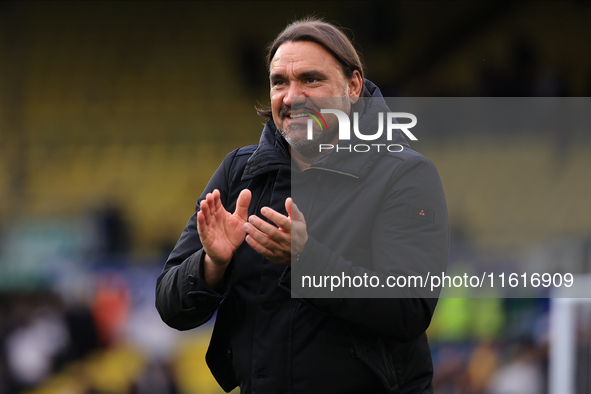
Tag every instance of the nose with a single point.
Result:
(294, 90)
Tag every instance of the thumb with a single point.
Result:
(242, 204)
(293, 211)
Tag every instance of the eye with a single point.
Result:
(311, 80)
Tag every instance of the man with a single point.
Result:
(356, 214)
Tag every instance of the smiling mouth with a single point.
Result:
(300, 115)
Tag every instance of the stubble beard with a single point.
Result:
(297, 139)
(297, 136)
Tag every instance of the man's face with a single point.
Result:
(306, 70)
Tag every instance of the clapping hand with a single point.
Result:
(221, 233)
(278, 244)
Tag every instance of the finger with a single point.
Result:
(202, 227)
(260, 237)
(276, 256)
(217, 207)
(270, 253)
(268, 229)
(288, 204)
(210, 203)
(280, 220)
(258, 247)
(293, 210)
(242, 204)
(204, 209)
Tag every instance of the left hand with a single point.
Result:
(278, 243)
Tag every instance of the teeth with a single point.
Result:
(298, 116)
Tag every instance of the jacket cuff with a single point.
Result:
(285, 279)
(315, 259)
(194, 286)
(304, 263)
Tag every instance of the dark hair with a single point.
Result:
(324, 34)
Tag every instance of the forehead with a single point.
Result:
(291, 56)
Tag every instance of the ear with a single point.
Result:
(355, 84)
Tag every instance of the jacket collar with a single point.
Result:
(273, 151)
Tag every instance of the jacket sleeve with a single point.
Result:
(183, 300)
(403, 242)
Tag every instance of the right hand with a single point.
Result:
(221, 232)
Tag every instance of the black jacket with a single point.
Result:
(268, 342)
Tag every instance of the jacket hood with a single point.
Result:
(273, 151)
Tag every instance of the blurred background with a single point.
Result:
(113, 116)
